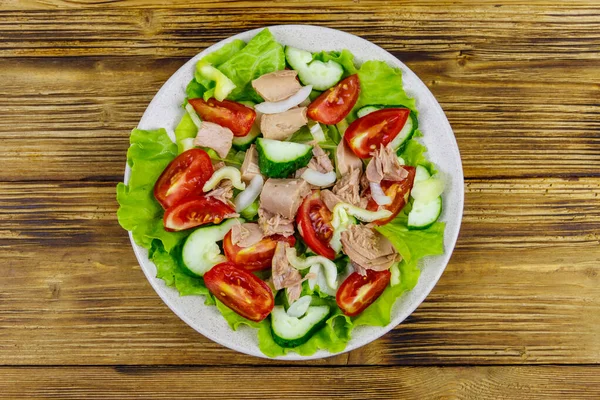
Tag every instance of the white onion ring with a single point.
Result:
(276, 107)
(299, 307)
(317, 132)
(195, 118)
(378, 195)
(251, 193)
(318, 178)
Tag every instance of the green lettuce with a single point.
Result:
(413, 154)
(345, 58)
(169, 268)
(261, 55)
(381, 84)
(139, 212)
(186, 129)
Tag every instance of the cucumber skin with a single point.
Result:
(297, 342)
(280, 170)
(419, 228)
(245, 146)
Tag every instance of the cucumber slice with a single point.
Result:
(243, 143)
(278, 159)
(405, 133)
(422, 214)
(290, 331)
(200, 251)
(421, 174)
(320, 75)
(367, 110)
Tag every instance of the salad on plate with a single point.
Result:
(296, 198)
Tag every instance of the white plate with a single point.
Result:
(165, 112)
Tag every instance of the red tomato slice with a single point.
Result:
(229, 114)
(334, 104)
(365, 134)
(314, 225)
(397, 191)
(240, 290)
(358, 292)
(184, 176)
(256, 257)
(195, 211)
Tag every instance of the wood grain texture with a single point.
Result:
(291, 383)
(522, 286)
(519, 84)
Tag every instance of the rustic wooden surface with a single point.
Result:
(515, 315)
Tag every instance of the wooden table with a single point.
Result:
(515, 315)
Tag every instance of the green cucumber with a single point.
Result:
(367, 110)
(290, 331)
(201, 252)
(278, 159)
(243, 143)
(320, 75)
(423, 214)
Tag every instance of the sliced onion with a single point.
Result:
(195, 118)
(231, 173)
(276, 107)
(378, 195)
(299, 307)
(318, 178)
(317, 132)
(251, 193)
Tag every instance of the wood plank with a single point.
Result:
(506, 125)
(524, 32)
(581, 382)
(522, 286)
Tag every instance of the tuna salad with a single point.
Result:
(296, 198)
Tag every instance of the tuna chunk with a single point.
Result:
(368, 248)
(385, 165)
(277, 86)
(348, 189)
(223, 192)
(246, 235)
(283, 125)
(330, 199)
(283, 274)
(215, 137)
(346, 160)
(274, 224)
(320, 161)
(284, 196)
(250, 166)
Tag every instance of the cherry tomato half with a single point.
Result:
(397, 191)
(335, 103)
(365, 134)
(358, 292)
(184, 176)
(195, 211)
(240, 290)
(229, 114)
(256, 257)
(314, 225)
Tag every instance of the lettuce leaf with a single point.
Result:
(379, 313)
(381, 84)
(139, 212)
(170, 270)
(186, 129)
(260, 56)
(345, 58)
(414, 154)
(333, 337)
